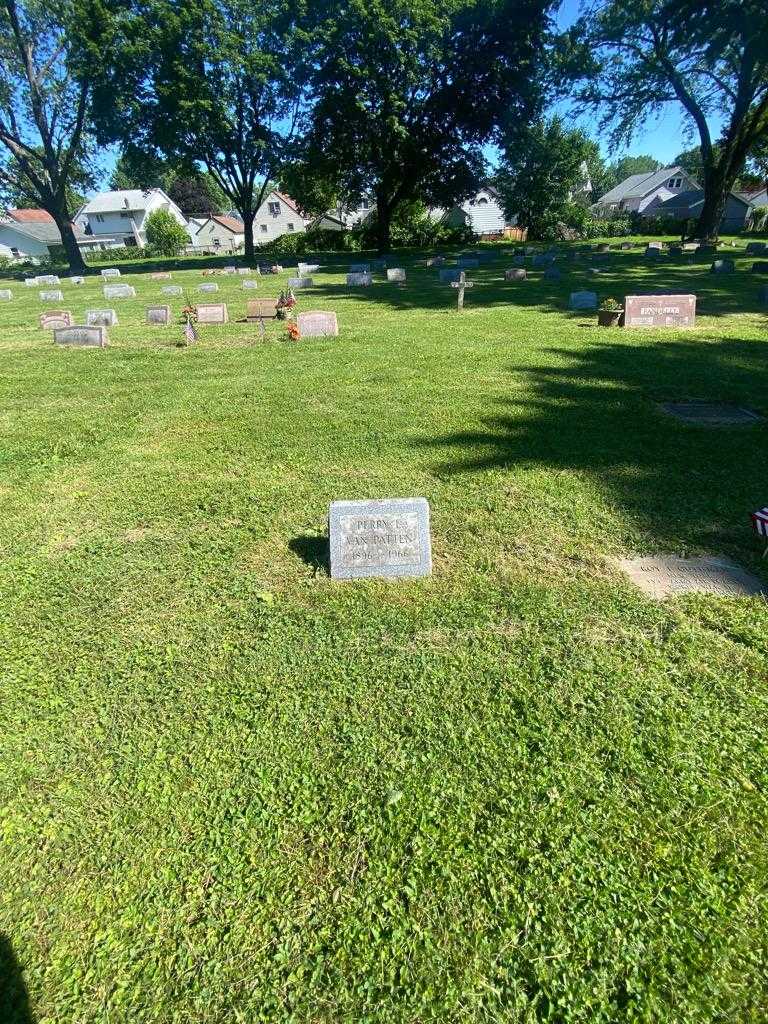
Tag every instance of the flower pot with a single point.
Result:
(610, 317)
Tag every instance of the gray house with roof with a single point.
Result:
(687, 206)
(34, 240)
(645, 193)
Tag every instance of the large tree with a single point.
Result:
(406, 92)
(541, 178)
(211, 82)
(45, 147)
(710, 58)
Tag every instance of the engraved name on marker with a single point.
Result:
(387, 538)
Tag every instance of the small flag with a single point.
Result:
(189, 331)
(760, 522)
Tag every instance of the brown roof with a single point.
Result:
(287, 200)
(31, 216)
(235, 226)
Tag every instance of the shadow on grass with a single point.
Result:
(14, 1000)
(596, 413)
(312, 550)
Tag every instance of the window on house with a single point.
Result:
(290, 227)
(274, 209)
(366, 205)
(482, 202)
(264, 228)
(675, 182)
(124, 214)
(99, 218)
(216, 243)
(14, 252)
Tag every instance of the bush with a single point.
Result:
(412, 227)
(119, 253)
(286, 247)
(656, 225)
(165, 236)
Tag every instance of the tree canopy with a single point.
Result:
(405, 93)
(709, 58)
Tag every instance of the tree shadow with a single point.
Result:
(313, 550)
(15, 1006)
(597, 412)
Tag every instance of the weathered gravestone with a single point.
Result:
(212, 313)
(300, 282)
(212, 287)
(659, 310)
(76, 280)
(676, 251)
(119, 291)
(6, 294)
(244, 271)
(654, 252)
(723, 267)
(358, 280)
(112, 272)
(171, 289)
(48, 279)
(396, 274)
(52, 319)
(31, 282)
(161, 275)
(306, 269)
(448, 275)
(516, 274)
(230, 270)
(603, 247)
(756, 248)
(655, 245)
(159, 315)
(583, 300)
(434, 261)
(552, 274)
(666, 577)
(711, 414)
(250, 284)
(317, 324)
(51, 296)
(625, 245)
(101, 317)
(261, 309)
(761, 267)
(690, 246)
(84, 337)
(388, 538)
(359, 268)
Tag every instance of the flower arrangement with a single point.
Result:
(293, 330)
(285, 304)
(611, 306)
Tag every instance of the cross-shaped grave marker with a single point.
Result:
(461, 284)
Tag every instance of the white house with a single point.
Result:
(278, 215)
(645, 193)
(482, 212)
(221, 232)
(34, 239)
(121, 216)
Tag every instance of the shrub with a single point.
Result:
(119, 253)
(165, 236)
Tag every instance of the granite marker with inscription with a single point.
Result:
(388, 538)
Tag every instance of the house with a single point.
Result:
(482, 212)
(278, 215)
(687, 206)
(121, 216)
(35, 239)
(27, 216)
(220, 232)
(644, 193)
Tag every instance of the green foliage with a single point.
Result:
(141, 169)
(286, 246)
(328, 240)
(541, 176)
(117, 254)
(407, 93)
(412, 227)
(197, 195)
(165, 236)
(608, 227)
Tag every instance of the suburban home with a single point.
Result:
(121, 216)
(687, 206)
(644, 193)
(482, 212)
(278, 215)
(35, 238)
(220, 231)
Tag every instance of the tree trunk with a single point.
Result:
(248, 216)
(383, 225)
(718, 182)
(68, 240)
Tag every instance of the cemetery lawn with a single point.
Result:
(519, 790)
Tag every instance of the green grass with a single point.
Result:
(517, 791)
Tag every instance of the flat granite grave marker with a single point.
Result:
(359, 280)
(161, 275)
(723, 267)
(244, 271)
(711, 414)
(83, 337)
(659, 310)
(111, 272)
(666, 577)
(449, 275)
(6, 294)
(388, 538)
(359, 268)
(212, 287)
(46, 279)
(52, 319)
(250, 284)
(171, 289)
(101, 318)
(317, 324)
(305, 269)
(119, 291)
(516, 274)
(212, 313)
(76, 280)
(583, 300)
(396, 274)
(51, 296)
(159, 315)
(261, 309)
(299, 282)
(31, 282)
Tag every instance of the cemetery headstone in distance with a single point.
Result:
(81, 337)
(388, 538)
(101, 318)
(212, 313)
(317, 324)
(52, 319)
